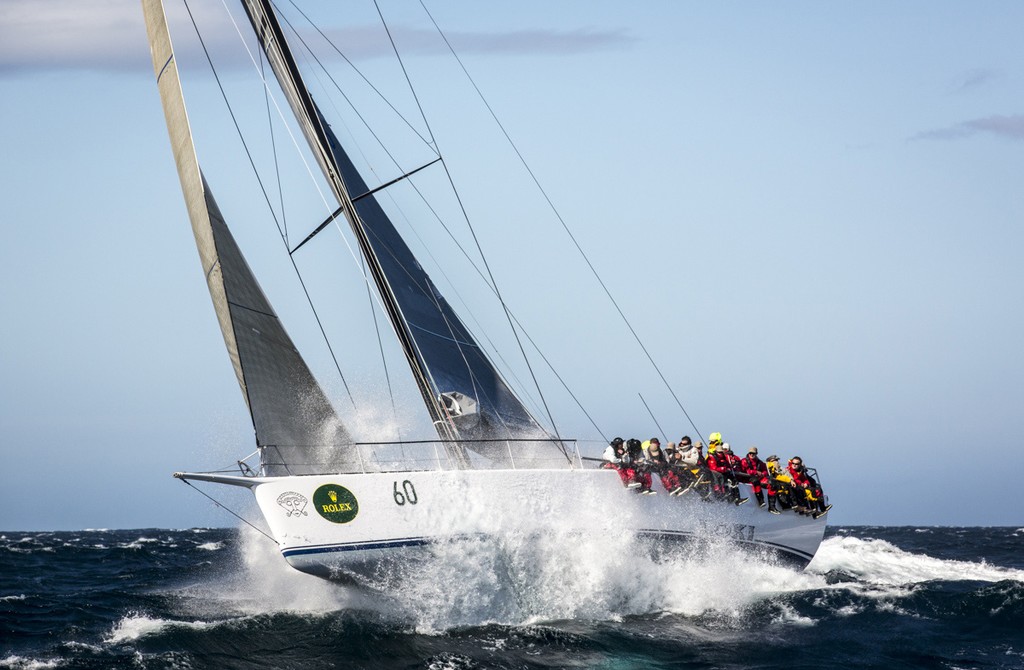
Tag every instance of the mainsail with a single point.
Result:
(296, 428)
(464, 393)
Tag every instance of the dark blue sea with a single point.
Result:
(874, 597)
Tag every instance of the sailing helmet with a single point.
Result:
(715, 438)
(616, 442)
(725, 446)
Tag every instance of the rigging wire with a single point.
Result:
(426, 141)
(472, 231)
(229, 511)
(366, 278)
(370, 232)
(561, 220)
(426, 202)
(424, 289)
(660, 429)
(384, 360)
(273, 147)
(266, 196)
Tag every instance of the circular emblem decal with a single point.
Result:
(335, 503)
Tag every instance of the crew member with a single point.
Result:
(757, 471)
(782, 482)
(815, 498)
(689, 464)
(734, 472)
(616, 458)
(658, 462)
(639, 465)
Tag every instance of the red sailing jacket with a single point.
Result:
(718, 462)
(799, 478)
(735, 462)
(754, 466)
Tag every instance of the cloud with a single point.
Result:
(71, 34)
(109, 35)
(1008, 126)
(975, 78)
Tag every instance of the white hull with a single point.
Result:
(345, 525)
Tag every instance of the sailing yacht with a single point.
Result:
(338, 507)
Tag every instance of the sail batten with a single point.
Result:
(293, 420)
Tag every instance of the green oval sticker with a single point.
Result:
(335, 503)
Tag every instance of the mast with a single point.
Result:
(323, 145)
(470, 404)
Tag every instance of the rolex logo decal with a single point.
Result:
(335, 503)
(293, 503)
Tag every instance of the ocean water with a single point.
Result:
(874, 597)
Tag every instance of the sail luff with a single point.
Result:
(296, 427)
(187, 163)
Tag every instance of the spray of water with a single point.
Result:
(526, 562)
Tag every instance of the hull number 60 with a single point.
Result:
(406, 494)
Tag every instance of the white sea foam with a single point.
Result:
(10, 598)
(135, 626)
(211, 546)
(515, 576)
(880, 563)
(21, 663)
(261, 582)
(138, 543)
(519, 578)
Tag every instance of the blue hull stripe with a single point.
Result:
(423, 541)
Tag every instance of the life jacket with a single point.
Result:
(754, 466)
(734, 462)
(718, 462)
(778, 475)
(799, 476)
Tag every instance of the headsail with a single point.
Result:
(296, 427)
(465, 394)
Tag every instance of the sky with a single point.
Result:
(810, 212)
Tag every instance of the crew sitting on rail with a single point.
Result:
(802, 480)
(756, 472)
(781, 481)
(723, 472)
(691, 466)
(716, 469)
(635, 454)
(617, 459)
(735, 475)
(658, 462)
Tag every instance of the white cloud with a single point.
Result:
(61, 34)
(109, 35)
